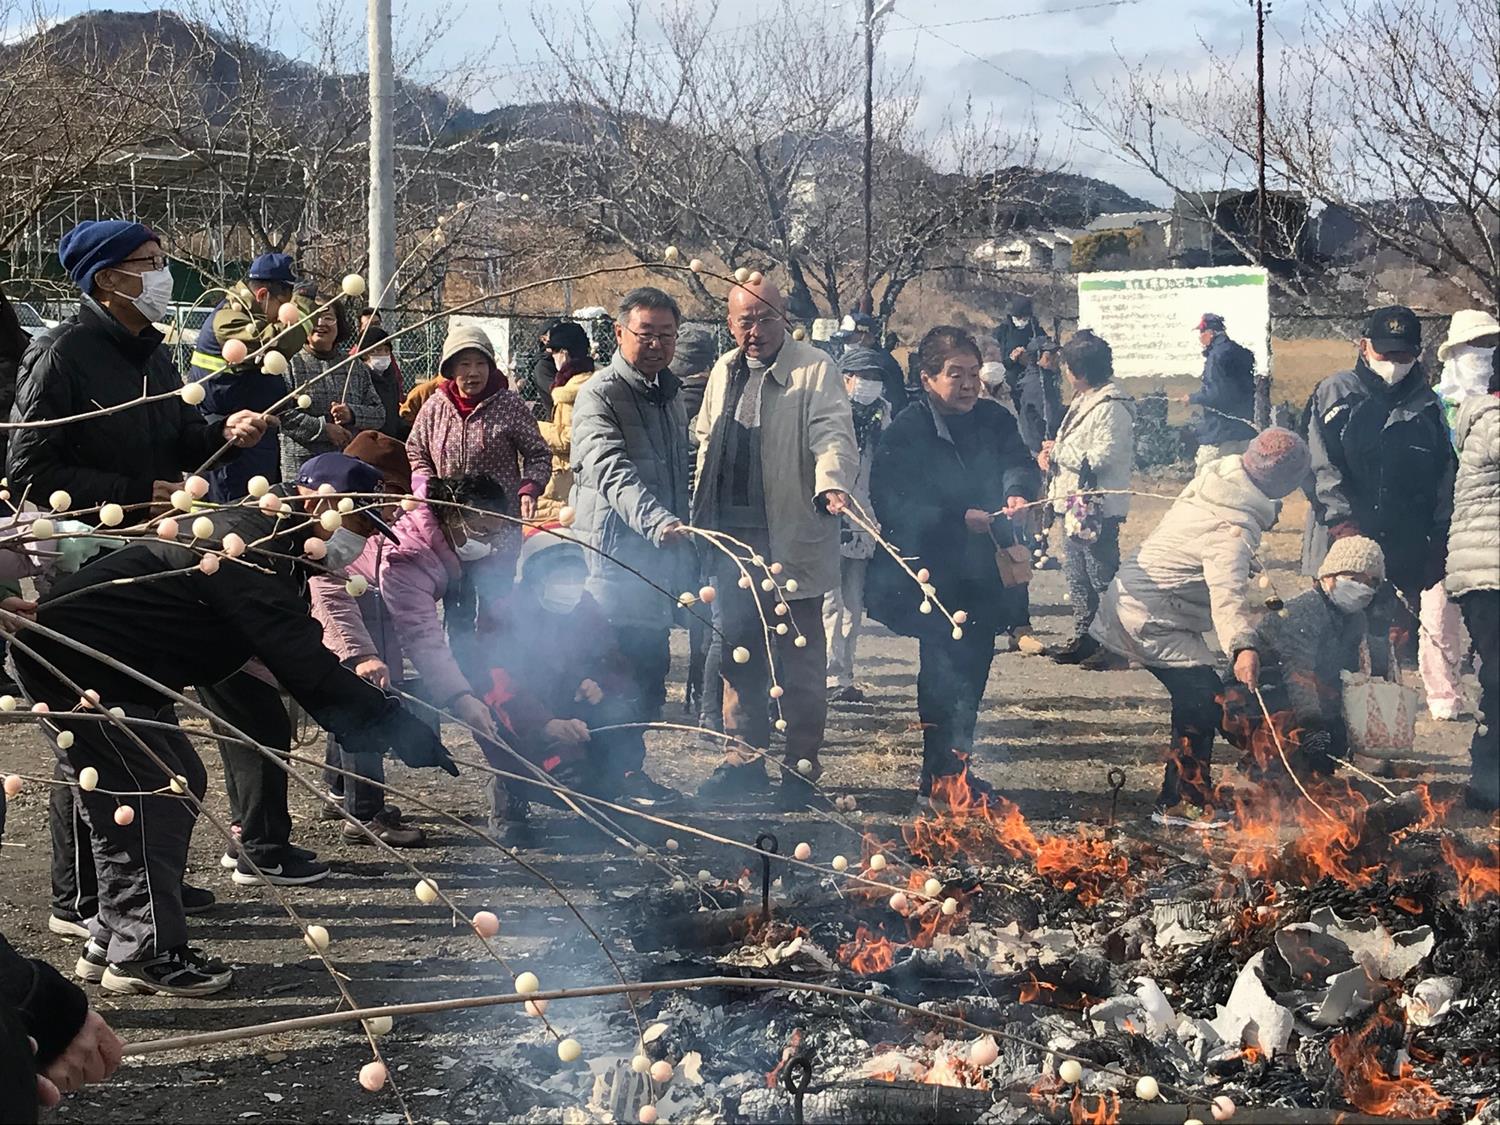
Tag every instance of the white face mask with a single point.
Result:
(155, 297)
(1349, 595)
(343, 547)
(561, 597)
(378, 362)
(1020, 321)
(1390, 372)
(472, 550)
(865, 391)
(1468, 369)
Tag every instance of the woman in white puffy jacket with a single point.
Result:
(1094, 449)
(1192, 576)
(1473, 576)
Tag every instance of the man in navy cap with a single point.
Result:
(1227, 397)
(252, 314)
(106, 355)
(1382, 461)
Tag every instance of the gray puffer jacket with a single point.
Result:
(1310, 646)
(1474, 537)
(630, 465)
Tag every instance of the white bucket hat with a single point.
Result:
(1467, 326)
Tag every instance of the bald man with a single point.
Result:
(776, 459)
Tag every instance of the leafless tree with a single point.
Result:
(1385, 113)
(742, 144)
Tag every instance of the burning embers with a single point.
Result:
(1377, 1077)
(869, 952)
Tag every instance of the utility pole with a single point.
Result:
(1263, 383)
(382, 154)
(870, 15)
(869, 143)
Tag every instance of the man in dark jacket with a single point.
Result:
(51, 1042)
(1227, 397)
(630, 454)
(251, 314)
(1039, 408)
(1382, 460)
(1014, 335)
(163, 611)
(104, 356)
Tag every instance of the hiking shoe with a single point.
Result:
(92, 962)
(331, 807)
(385, 831)
(641, 791)
(850, 694)
(1077, 650)
(1104, 661)
(288, 872)
(178, 972)
(735, 780)
(69, 925)
(1196, 817)
(195, 900)
(796, 792)
(1027, 643)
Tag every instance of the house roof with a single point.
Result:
(1122, 220)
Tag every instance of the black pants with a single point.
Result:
(360, 788)
(951, 676)
(648, 653)
(1089, 568)
(1481, 610)
(139, 866)
(75, 885)
(1196, 712)
(256, 786)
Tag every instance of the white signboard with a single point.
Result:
(1149, 317)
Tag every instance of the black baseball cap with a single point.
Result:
(1394, 328)
(346, 474)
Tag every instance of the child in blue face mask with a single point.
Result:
(556, 677)
(1295, 659)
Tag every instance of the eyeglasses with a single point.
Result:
(158, 261)
(747, 324)
(658, 339)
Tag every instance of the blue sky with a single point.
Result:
(1015, 57)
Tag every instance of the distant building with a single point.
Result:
(1031, 251)
(1216, 228)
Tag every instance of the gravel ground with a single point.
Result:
(1047, 736)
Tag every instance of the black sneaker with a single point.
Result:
(966, 790)
(92, 962)
(732, 780)
(289, 871)
(1077, 650)
(639, 790)
(1104, 661)
(68, 925)
(195, 900)
(796, 791)
(178, 972)
(231, 857)
(850, 694)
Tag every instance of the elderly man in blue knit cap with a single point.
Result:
(105, 356)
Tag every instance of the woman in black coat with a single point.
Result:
(944, 465)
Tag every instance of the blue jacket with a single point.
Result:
(1228, 394)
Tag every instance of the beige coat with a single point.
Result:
(558, 434)
(806, 448)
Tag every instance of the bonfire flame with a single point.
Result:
(1368, 1083)
(868, 952)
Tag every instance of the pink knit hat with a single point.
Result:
(1277, 462)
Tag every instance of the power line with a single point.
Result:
(1024, 15)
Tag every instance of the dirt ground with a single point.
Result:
(1047, 737)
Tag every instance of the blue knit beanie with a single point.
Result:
(95, 245)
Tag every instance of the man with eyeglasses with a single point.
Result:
(105, 356)
(776, 460)
(251, 313)
(630, 493)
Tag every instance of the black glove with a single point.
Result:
(401, 733)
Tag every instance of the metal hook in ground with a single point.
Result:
(1116, 777)
(767, 844)
(797, 1078)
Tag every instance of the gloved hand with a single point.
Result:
(404, 735)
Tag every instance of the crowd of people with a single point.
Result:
(386, 561)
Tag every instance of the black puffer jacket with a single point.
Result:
(1383, 461)
(1039, 406)
(929, 470)
(90, 361)
(189, 627)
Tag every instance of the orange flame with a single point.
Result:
(788, 1053)
(1032, 990)
(1368, 1085)
(868, 952)
(1478, 877)
(1105, 1111)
